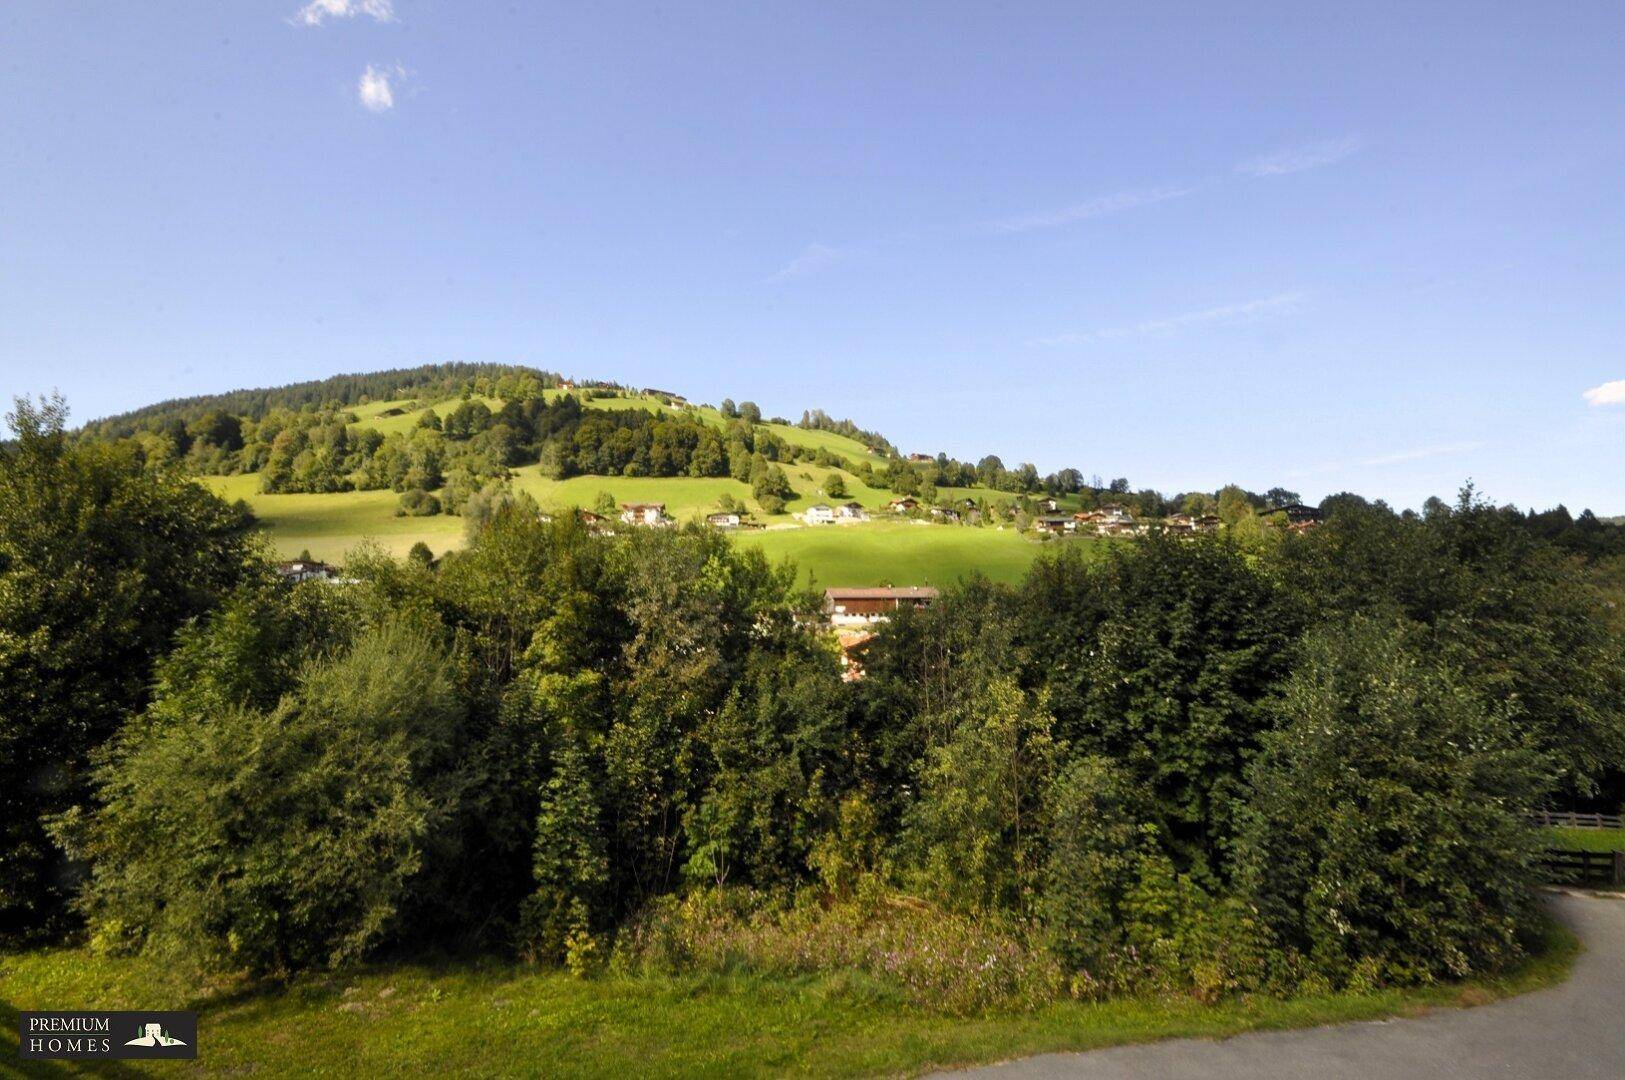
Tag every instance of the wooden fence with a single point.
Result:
(1585, 867)
(1570, 820)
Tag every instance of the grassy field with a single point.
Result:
(883, 551)
(899, 553)
(496, 1019)
(329, 526)
(1587, 839)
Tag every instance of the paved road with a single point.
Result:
(1575, 1031)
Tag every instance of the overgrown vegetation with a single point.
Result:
(1279, 763)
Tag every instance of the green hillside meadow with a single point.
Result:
(879, 552)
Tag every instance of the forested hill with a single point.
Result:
(426, 380)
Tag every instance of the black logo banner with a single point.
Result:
(108, 1035)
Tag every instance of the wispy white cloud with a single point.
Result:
(319, 11)
(1298, 158)
(376, 89)
(816, 257)
(1609, 393)
(1094, 208)
(1222, 315)
(1421, 452)
(1397, 457)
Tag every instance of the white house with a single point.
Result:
(724, 520)
(651, 515)
(851, 512)
(819, 515)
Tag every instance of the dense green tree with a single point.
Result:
(769, 480)
(1161, 657)
(570, 864)
(1519, 618)
(976, 831)
(1096, 836)
(1386, 836)
(774, 757)
(103, 555)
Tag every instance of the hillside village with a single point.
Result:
(419, 457)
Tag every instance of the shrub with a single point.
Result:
(417, 503)
(935, 959)
(975, 831)
(1386, 830)
(284, 839)
(1178, 937)
(1095, 841)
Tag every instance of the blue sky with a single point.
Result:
(1382, 251)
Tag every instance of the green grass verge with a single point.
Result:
(1587, 839)
(489, 1019)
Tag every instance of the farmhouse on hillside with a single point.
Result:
(861, 607)
(851, 512)
(306, 570)
(822, 514)
(726, 519)
(1190, 524)
(1298, 516)
(1111, 520)
(647, 515)
(1058, 524)
(904, 505)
